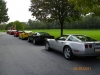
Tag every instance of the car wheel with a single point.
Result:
(34, 41)
(68, 53)
(28, 39)
(47, 46)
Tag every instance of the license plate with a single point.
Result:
(97, 49)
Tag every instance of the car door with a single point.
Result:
(33, 36)
(59, 43)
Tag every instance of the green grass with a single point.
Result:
(3, 30)
(56, 32)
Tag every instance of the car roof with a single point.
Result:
(75, 34)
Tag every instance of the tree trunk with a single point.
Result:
(61, 23)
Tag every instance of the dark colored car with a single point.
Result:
(16, 34)
(39, 37)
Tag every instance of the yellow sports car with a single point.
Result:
(25, 34)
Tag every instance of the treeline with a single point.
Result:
(43, 24)
(87, 22)
(2, 26)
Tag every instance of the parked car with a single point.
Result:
(25, 34)
(39, 37)
(74, 45)
(8, 31)
(12, 32)
(16, 34)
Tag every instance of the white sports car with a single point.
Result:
(74, 44)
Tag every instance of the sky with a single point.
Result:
(18, 10)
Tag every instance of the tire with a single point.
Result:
(47, 46)
(68, 53)
(34, 41)
(28, 39)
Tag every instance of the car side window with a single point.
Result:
(38, 34)
(62, 38)
(72, 38)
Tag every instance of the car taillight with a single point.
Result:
(90, 46)
(86, 46)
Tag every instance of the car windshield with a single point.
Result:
(84, 38)
(44, 34)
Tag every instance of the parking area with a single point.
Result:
(19, 57)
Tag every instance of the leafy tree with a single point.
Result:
(54, 9)
(2, 27)
(87, 6)
(3, 12)
(9, 25)
(30, 22)
(26, 26)
(19, 25)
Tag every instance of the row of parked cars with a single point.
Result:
(35, 38)
(70, 45)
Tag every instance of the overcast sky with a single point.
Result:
(18, 10)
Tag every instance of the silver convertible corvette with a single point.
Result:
(74, 45)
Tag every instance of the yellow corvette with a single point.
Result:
(25, 34)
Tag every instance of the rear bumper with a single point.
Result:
(87, 53)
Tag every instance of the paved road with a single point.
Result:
(18, 57)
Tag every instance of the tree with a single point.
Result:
(2, 27)
(54, 9)
(87, 6)
(9, 25)
(26, 26)
(3, 12)
(19, 25)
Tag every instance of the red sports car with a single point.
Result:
(12, 32)
(8, 31)
(17, 33)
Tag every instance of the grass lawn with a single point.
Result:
(56, 32)
(3, 30)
